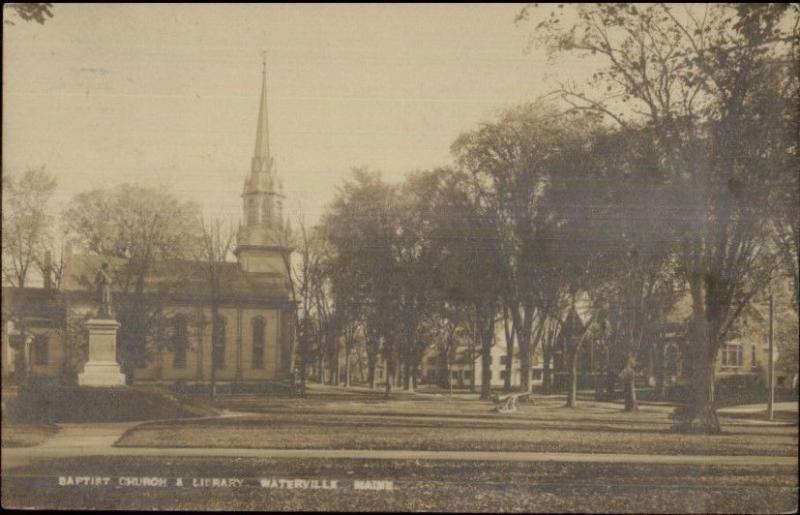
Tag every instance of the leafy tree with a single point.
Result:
(362, 229)
(707, 86)
(516, 160)
(464, 226)
(38, 12)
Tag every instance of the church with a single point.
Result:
(43, 328)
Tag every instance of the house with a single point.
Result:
(465, 362)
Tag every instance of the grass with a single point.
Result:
(419, 486)
(352, 421)
(76, 404)
(26, 435)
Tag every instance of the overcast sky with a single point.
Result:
(168, 94)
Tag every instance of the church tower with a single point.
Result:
(260, 244)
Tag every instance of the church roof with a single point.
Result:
(179, 278)
(33, 303)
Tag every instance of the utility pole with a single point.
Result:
(771, 375)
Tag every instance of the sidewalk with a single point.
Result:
(17, 456)
(785, 407)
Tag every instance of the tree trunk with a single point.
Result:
(486, 330)
(389, 374)
(525, 349)
(320, 367)
(442, 370)
(214, 347)
(658, 365)
(303, 366)
(572, 368)
(700, 415)
(509, 333)
(372, 361)
(347, 352)
(611, 381)
(547, 356)
(629, 379)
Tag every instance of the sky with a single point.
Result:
(167, 95)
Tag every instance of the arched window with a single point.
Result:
(219, 343)
(180, 340)
(258, 342)
(40, 349)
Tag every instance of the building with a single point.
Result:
(466, 361)
(42, 327)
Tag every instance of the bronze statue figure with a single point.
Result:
(103, 286)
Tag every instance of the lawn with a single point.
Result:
(351, 421)
(421, 486)
(26, 435)
(82, 404)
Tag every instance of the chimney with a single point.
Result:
(47, 270)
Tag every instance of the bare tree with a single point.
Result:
(217, 242)
(26, 223)
(137, 228)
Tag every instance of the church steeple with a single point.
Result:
(262, 160)
(260, 241)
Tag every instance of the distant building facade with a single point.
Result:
(465, 362)
(42, 327)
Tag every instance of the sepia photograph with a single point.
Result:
(523, 258)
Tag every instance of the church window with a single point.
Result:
(258, 342)
(40, 349)
(219, 343)
(180, 341)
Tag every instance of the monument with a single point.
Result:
(102, 368)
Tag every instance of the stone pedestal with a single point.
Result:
(102, 368)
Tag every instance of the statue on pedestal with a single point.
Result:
(103, 287)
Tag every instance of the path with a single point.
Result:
(12, 457)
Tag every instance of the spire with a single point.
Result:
(262, 162)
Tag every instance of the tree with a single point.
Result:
(26, 223)
(217, 242)
(707, 88)
(516, 159)
(136, 227)
(303, 288)
(362, 228)
(417, 266)
(464, 235)
(38, 12)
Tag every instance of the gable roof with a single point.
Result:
(177, 278)
(33, 303)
